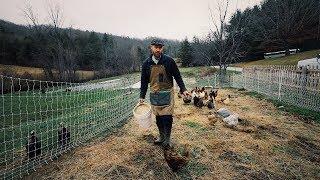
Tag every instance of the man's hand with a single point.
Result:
(186, 93)
(141, 100)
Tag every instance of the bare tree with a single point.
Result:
(63, 49)
(203, 51)
(56, 47)
(224, 41)
(38, 34)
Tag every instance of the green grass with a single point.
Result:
(36, 106)
(193, 124)
(287, 60)
(198, 169)
(86, 114)
(190, 71)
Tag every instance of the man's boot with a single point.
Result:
(160, 124)
(167, 121)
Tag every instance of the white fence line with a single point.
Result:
(298, 87)
(293, 86)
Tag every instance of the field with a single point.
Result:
(276, 145)
(37, 73)
(288, 60)
(286, 139)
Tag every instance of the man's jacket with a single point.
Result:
(171, 70)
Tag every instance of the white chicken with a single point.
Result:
(202, 94)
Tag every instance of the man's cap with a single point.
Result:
(157, 42)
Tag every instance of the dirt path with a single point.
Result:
(279, 146)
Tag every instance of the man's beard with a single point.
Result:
(157, 55)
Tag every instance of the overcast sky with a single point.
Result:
(172, 19)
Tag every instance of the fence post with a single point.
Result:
(304, 77)
(215, 80)
(258, 81)
(280, 82)
(245, 80)
(270, 82)
(232, 80)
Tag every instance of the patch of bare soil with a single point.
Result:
(267, 144)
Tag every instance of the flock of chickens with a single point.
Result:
(200, 97)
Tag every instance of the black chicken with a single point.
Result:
(33, 146)
(200, 103)
(196, 100)
(213, 94)
(210, 104)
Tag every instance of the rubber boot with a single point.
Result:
(160, 139)
(167, 121)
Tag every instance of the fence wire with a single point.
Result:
(298, 87)
(40, 120)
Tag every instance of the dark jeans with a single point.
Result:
(164, 121)
(164, 124)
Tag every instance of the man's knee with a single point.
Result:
(166, 117)
(167, 120)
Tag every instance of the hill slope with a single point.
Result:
(288, 60)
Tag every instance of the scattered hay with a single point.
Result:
(244, 122)
(245, 129)
(230, 156)
(305, 148)
(264, 145)
(149, 138)
(270, 129)
(119, 172)
(249, 173)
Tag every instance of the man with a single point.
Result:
(159, 70)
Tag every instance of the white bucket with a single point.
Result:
(142, 112)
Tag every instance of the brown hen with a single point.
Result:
(176, 160)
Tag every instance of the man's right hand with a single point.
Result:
(141, 100)
(186, 93)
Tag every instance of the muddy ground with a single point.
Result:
(268, 144)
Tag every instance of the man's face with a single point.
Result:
(156, 50)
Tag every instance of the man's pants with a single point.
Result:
(164, 124)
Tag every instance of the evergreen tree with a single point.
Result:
(93, 52)
(185, 53)
(108, 51)
(141, 55)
